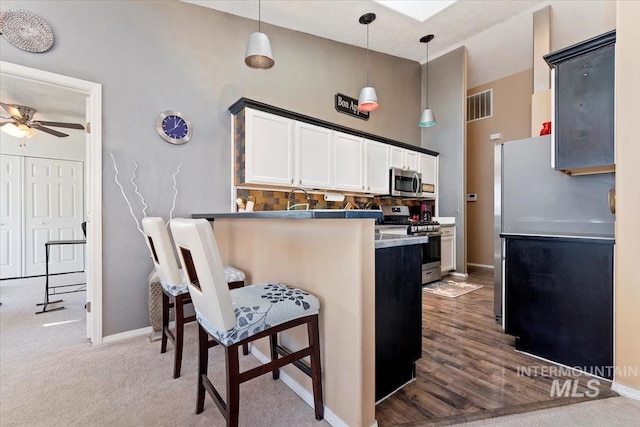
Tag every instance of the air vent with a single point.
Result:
(480, 105)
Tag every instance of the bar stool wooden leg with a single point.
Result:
(179, 335)
(316, 372)
(203, 367)
(273, 343)
(165, 322)
(233, 385)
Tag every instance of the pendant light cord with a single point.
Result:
(427, 82)
(367, 55)
(259, 16)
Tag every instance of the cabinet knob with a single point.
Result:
(300, 182)
(292, 180)
(369, 188)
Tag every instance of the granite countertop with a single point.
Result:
(297, 214)
(603, 237)
(393, 240)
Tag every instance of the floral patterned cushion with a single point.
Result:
(232, 274)
(259, 307)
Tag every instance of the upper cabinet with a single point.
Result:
(584, 78)
(314, 166)
(349, 164)
(268, 149)
(376, 167)
(403, 159)
(428, 167)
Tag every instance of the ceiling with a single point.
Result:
(484, 27)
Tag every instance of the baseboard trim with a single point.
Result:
(469, 264)
(460, 275)
(124, 335)
(329, 415)
(626, 391)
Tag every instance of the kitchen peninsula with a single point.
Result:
(331, 254)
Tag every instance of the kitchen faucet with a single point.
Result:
(290, 206)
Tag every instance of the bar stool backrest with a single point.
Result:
(201, 262)
(161, 249)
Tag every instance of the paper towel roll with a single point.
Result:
(334, 197)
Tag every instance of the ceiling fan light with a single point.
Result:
(368, 100)
(18, 130)
(427, 119)
(259, 53)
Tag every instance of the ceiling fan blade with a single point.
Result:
(37, 125)
(11, 109)
(60, 124)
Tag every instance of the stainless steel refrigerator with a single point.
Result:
(533, 198)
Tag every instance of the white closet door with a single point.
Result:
(54, 205)
(10, 217)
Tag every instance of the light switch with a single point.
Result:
(472, 197)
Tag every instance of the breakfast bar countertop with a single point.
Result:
(297, 214)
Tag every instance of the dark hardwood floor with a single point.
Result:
(470, 370)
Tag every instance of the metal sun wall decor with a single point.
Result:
(26, 30)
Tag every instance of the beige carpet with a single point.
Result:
(50, 376)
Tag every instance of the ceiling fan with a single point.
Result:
(21, 122)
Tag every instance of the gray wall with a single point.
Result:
(155, 56)
(447, 99)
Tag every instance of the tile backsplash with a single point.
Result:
(266, 200)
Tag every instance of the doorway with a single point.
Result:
(93, 179)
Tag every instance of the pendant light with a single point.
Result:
(368, 100)
(427, 119)
(259, 53)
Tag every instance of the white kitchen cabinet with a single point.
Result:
(448, 249)
(376, 167)
(268, 148)
(314, 165)
(348, 162)
(403, 159)
(428, 167)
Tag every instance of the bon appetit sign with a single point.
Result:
(347, 105)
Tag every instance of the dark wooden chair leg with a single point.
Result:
(245, 349)
(203, 366)
(316, 368)
(233, 385)
(179, 334)
(273, 342)
(165, 322)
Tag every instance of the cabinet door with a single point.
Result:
(585, 110)
(349, 164)
(314, 147)
(11, 217)
(411, 160)
(268, 148)
(396, 157)
(428, 167)
(376, 167)
(448, 247)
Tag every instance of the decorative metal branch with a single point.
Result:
(135, 186)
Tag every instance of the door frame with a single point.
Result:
(93, 181)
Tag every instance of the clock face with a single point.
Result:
(173, 127)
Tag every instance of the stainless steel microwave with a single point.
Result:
(405, 183)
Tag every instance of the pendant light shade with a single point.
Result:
(427, 119)
(368, 100)
(259, 53)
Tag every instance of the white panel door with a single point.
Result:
(349, 164)
(54, 206)
(429, 171)
(10, 217)
(268, 148)
(314, 165)
(376, 167)
(396, 157)
(411, 160)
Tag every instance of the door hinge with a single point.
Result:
(88, 127)
(87, 306)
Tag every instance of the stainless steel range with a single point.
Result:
(397, 221)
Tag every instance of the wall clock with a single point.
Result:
(173, 127)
